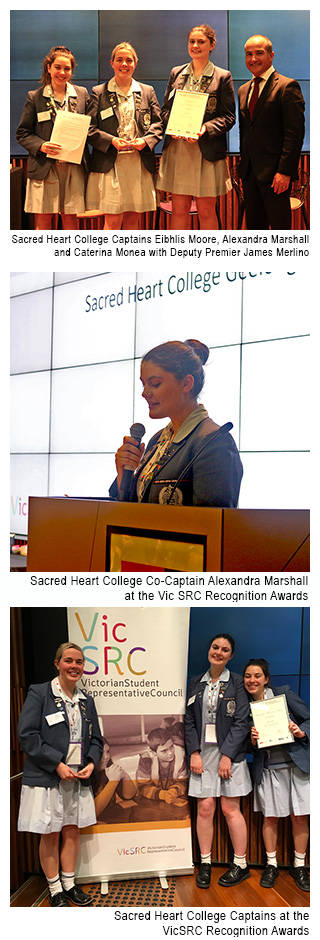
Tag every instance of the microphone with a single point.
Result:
(137, 431)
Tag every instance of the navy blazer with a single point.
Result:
(231, 720)
(299, 749)
(213, 479)
(31, 131)
(105, 126)
(272, 141)
(47, 745)
(219, 116)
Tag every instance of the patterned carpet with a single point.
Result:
(144, 892)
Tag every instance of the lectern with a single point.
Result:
(104, 535)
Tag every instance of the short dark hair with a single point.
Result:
(224, 636)
(264, 665)
(158, 737)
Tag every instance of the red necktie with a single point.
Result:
(254, 97)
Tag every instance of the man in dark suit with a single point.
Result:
(271, 116)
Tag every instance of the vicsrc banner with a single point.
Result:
(135, 670)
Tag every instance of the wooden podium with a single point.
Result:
(101, 535)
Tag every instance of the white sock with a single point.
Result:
(272, 859)
(206, 859)
(299, 860)
(67, 879)
(240, 860)
(54, 885)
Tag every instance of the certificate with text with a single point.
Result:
(186, 115)
(271, 719)
(70, 130)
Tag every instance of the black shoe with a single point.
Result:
(58, 900)
(204, 875)
(269, 876)
(77, 896)
(301, 877)
(234, 876)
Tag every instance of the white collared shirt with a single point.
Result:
(264, 78)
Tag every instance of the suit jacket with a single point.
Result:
(31, 131)
(104, 126)
(46, 745)
(272, 141)
(232, 717)
(299, 749)
(219, 116)
(213, 479)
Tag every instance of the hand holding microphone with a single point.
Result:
(127, 459)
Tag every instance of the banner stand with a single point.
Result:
(135, 670)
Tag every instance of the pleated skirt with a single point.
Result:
(282, 792)
(210, 784)
(48, 809)
(63, 190)
(127, 187)
(184, 171)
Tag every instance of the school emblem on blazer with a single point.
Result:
(146, 118)
(165, 496)
(211, 103)
(231, 707)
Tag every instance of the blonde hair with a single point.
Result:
(67, 646)
(124, 45)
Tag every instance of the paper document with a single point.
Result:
(186, 115)
(271, 719)
(70, 131)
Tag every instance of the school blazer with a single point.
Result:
(104, 126)
(299, 749)
(231, 720)
(46, 745)
(31, 131)
(213, 479)
(272, 141)
(219, 116)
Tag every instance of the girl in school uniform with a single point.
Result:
(125, 127)
(59, 731)
(197, 167)
(53, 186)
(281, 776)
(216, 726)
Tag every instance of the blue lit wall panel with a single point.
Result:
(34, 32)
(272, 633)
(288, 31)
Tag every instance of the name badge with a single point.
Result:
(74, 755)
(43, 116)
(108, 112)
(210, 734)
(55, 718)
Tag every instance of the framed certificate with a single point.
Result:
(271, 719)
(186, 117)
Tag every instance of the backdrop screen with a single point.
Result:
(160, 40)
(76, 347)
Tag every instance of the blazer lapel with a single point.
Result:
(268, 88)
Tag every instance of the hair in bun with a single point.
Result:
(200, 349)
(181, 359)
